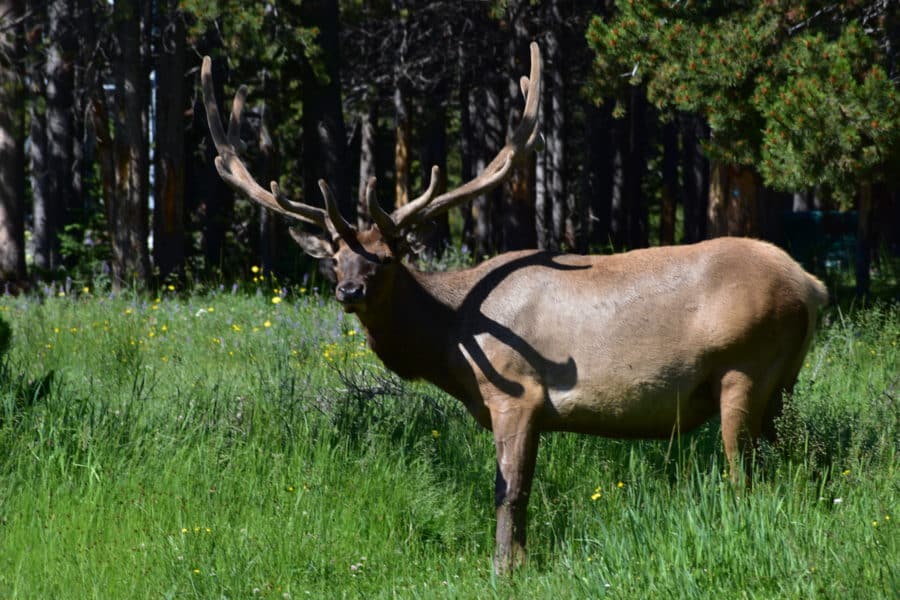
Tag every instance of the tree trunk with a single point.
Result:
(733, 201)
(669, 184)
(51, 216)
(367, 154)
(598, 177)
(169, 230)
(402, 141)
(37, 146)
(128, 225)
(82, 152)
(481, 135)
(12, 147)
(324, 134)
(554, 121)
(271, 228)
(636, 166)
(168, 216)
(695, 168)
(218, 203)
(543, 220)
(434, 152)
(518, 219)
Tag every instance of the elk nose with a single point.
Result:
(349, 292)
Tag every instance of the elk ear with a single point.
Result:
(312, 244)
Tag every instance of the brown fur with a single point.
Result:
(641, 344)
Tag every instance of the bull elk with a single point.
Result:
(640, 344)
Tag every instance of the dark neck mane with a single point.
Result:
(414, 329)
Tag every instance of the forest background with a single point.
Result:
(664, 123)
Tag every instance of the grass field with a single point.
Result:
(232, 445)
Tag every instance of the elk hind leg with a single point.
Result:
(742, 403)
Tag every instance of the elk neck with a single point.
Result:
(412, 327)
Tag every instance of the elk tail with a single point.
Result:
(818, 291)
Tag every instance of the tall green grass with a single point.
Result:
(226, 445)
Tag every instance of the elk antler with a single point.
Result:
(520, 144)
(233, 170)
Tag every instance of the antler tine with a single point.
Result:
(234, 121)
(403, 215)
(341, 226)
(233, 170)
(520, 144)
(383, 221)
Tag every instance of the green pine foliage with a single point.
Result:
(794, 89)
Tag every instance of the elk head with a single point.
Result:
(364, 262)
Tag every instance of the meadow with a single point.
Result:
(243, 443)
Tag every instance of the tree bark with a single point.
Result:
(636, 167)
(218, 200)
(599, 173)
(51, 216)
(402, 142)
(481, 131)
(324, 133)
(128, 222)
(367, 154)
(434, 152)
(37, 146)
(12, 147)
(733, 201)
(554, 127)
(618, 214)
(518, 221)
(670, 189)
(543, 220)
(695, 167)
(270, 225)
(168, 216)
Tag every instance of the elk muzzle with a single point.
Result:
(350, 292)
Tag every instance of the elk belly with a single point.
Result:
(621, 406)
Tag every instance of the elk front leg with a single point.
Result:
(516, 441)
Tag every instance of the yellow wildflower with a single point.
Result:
(267, 324)
(276, 299)
(254, 269)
